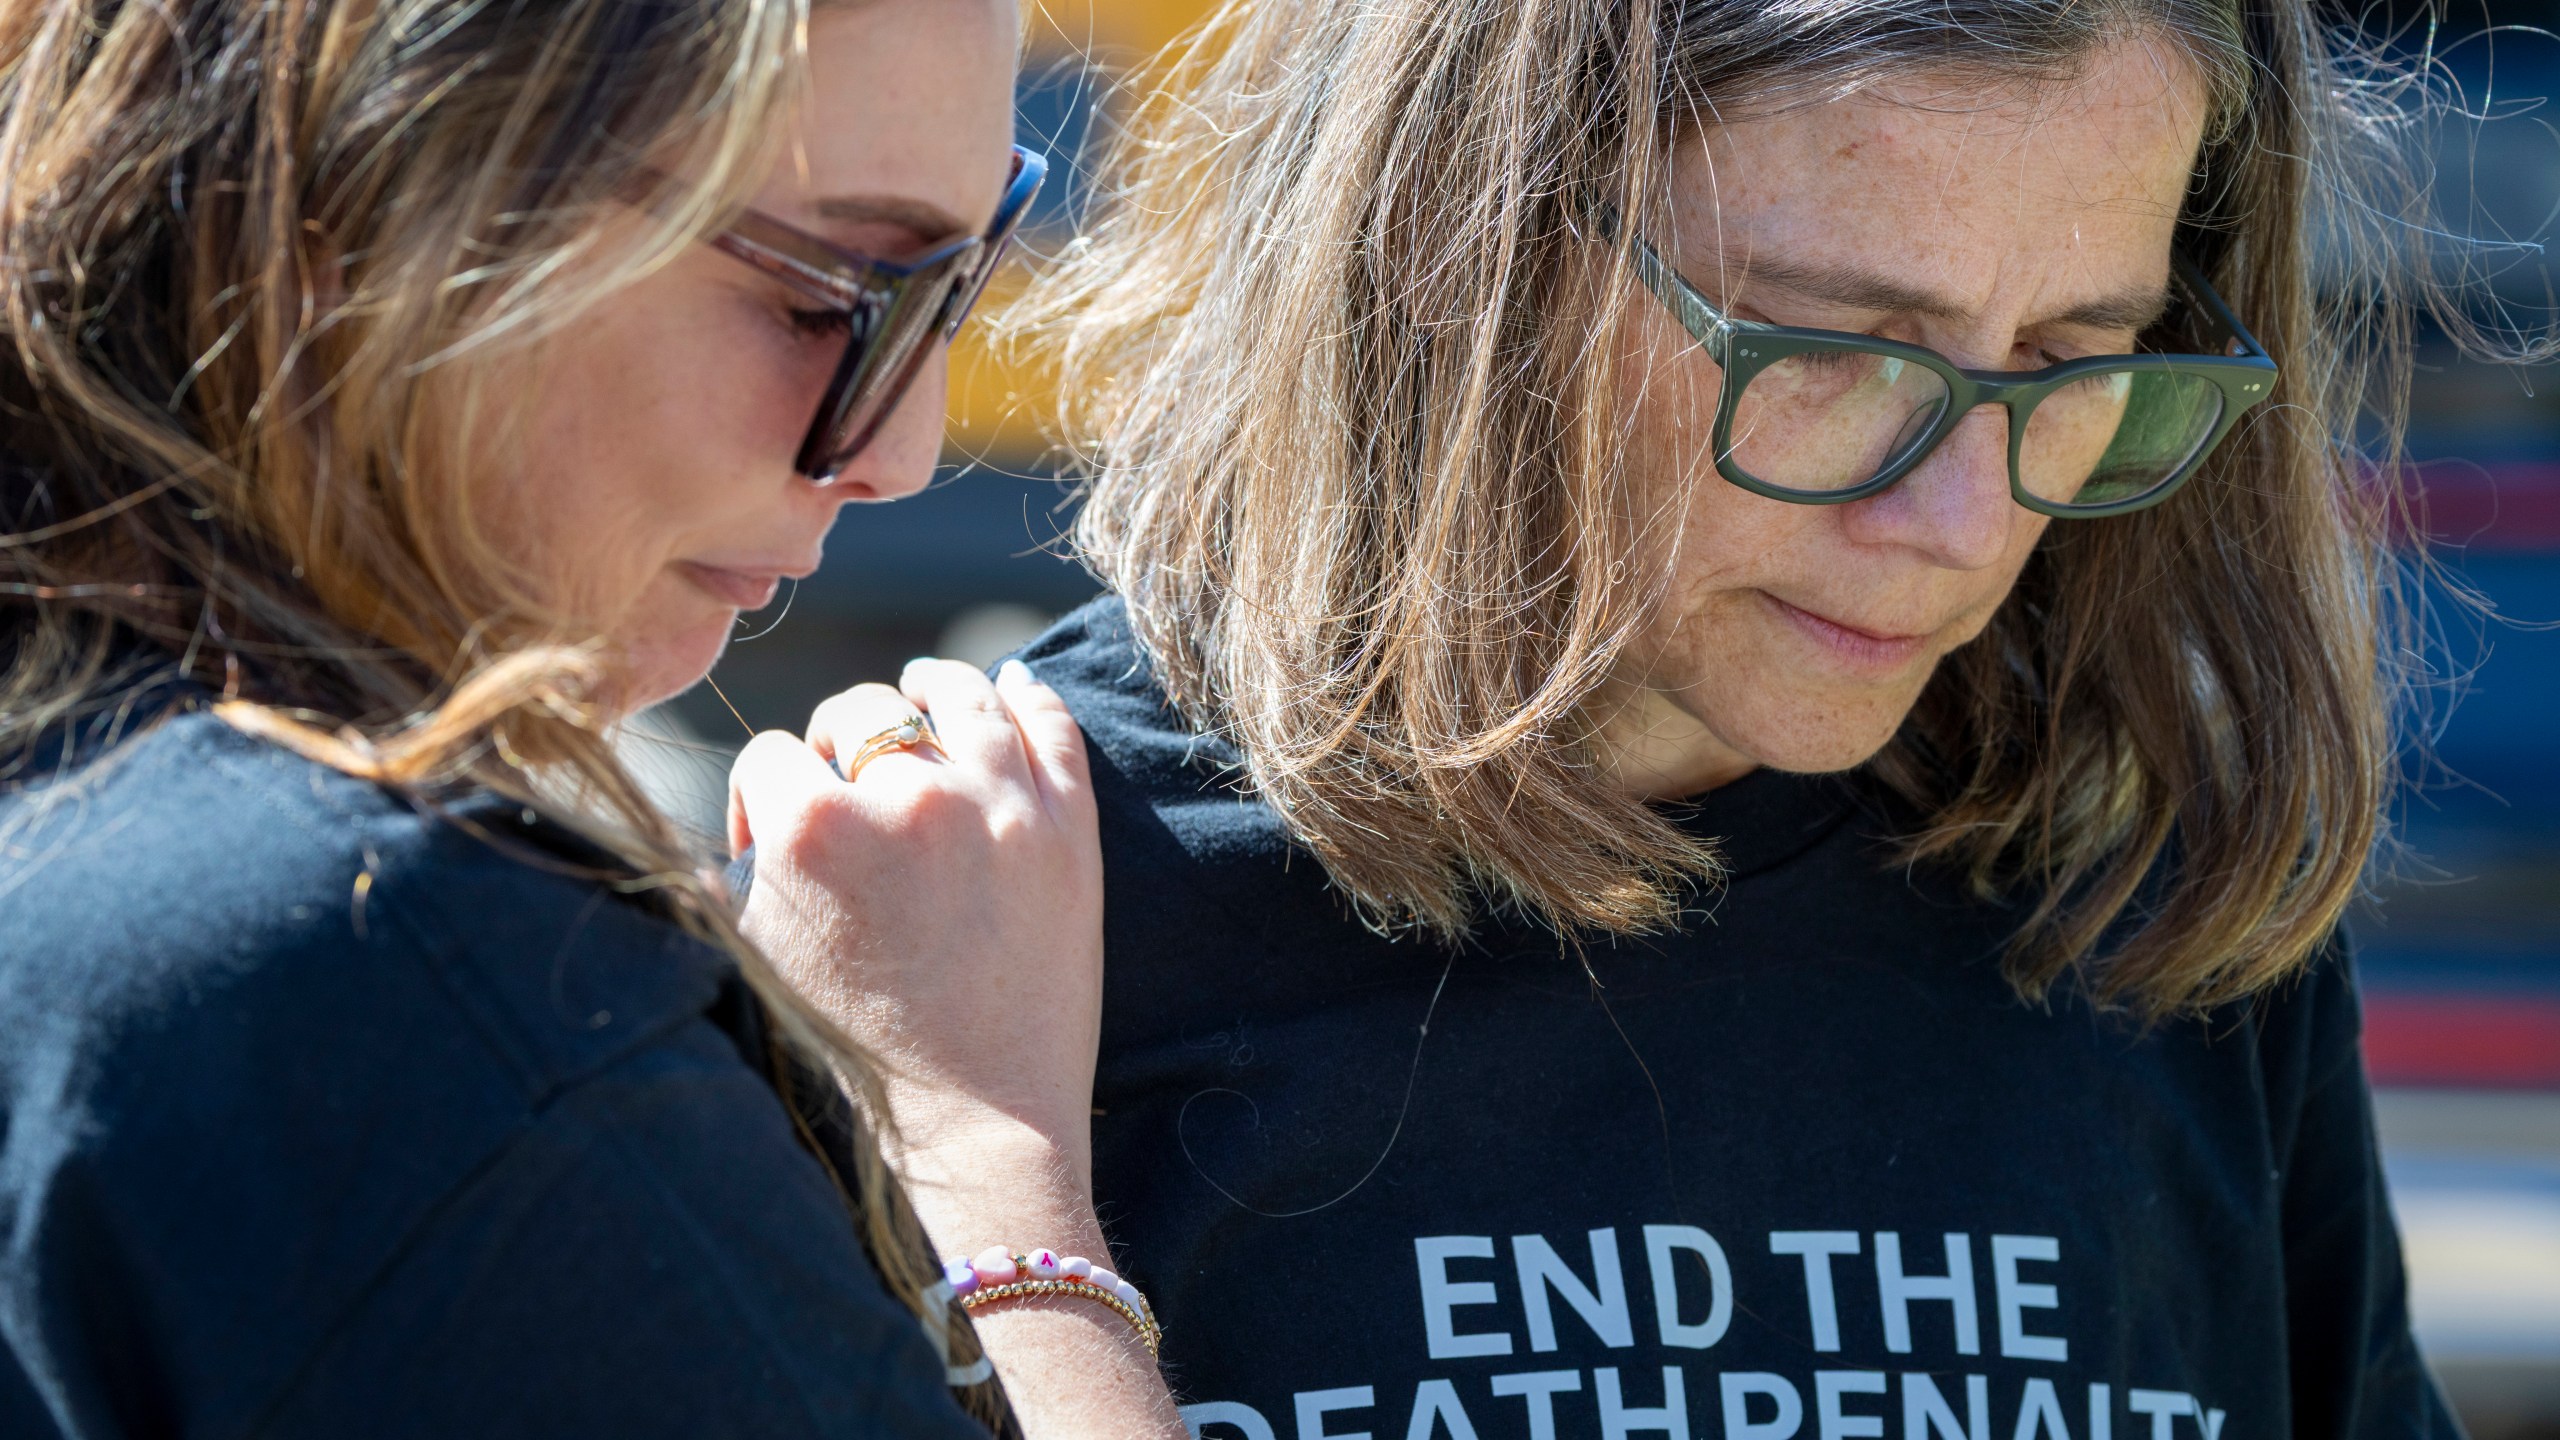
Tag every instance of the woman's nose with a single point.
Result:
(1955, 507)
(899, 460)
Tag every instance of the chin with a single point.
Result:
(1819, 734)
(1817, 755)
(667, 661)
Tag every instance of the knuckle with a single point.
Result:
(846, 708)
(938, 806)
(1075, 807)
(1014, 825)
(816, 842)
(1067, 753)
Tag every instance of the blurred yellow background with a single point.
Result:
(999, 410)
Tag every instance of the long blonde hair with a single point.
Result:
(263, 264)
(1350, 438)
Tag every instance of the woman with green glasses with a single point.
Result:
(1823, 417)
(1748, 672)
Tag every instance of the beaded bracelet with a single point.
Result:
(1000, 1275)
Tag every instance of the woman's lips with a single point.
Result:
(744, 590)
(1861, 650)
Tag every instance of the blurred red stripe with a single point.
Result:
(2513, 506)
(2500, 1042)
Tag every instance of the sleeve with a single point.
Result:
(2357, 1373)
(652, 1255)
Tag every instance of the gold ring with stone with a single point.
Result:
(909, 733)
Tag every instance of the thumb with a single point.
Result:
(773, 779)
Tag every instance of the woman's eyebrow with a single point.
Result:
(2135, 308)
(926, 219)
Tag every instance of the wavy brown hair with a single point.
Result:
(1347, 424)
(266, 269)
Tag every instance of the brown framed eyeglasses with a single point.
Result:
(894, 309)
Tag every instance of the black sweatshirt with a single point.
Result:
(324, 1117)
(1807, 1169)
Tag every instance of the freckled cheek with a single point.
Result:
(1668, 399)
(741, 408)
(716, 442)
(1679, 495)
(1712, 636)
(557, 506)
(592, 505)
(781, 396)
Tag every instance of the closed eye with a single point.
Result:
(1818, 361)
(828, 321)
(2041, 357)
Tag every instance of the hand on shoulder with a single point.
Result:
(944, 904)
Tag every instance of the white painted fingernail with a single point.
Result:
(1013, 672)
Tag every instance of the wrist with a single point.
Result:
(996, 1181)
(967, 1143)
(943, 1126)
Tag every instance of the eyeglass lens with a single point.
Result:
(893, 334)
(886, 350)
(2117, 435)
(1824, 421)
(1829, 420)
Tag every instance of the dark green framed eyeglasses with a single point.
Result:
(1823, 417)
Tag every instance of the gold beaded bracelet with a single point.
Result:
(1149, 1332)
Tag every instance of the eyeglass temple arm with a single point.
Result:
(774, 247)
(1697, 314)
(2218, 313)
(771, 248)
(1030, 172)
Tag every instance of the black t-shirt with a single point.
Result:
(324, 1117)
(1807, 1169)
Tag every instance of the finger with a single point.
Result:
(972, 719)
(844, 720)
(774, 778)
(1049, 732)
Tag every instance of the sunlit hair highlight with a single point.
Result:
(1342, 389)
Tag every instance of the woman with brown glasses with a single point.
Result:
(394, 396)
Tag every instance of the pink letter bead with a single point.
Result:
(995, 1266)
(1130, 1297)
(960, 1277)
(1044, 1265)
(1076, 1267)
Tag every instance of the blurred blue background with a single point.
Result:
(2460, 942)
(2460, 939)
